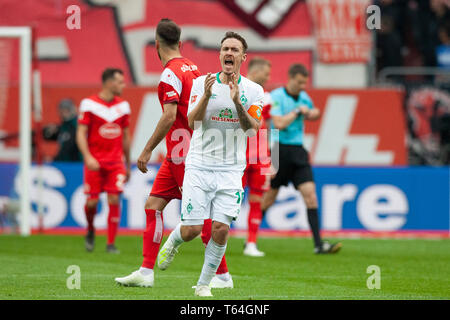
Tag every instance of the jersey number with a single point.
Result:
(240, 196)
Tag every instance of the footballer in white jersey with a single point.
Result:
(219, 142)
(222, 108)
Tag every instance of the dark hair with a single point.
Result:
(234, 35)
(297, 68)
(258, 62)
(168, 32)
(109, 73)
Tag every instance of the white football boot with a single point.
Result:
(252, 251)
(137, 279)
(203, 291)
(218, 283)
(166, 255)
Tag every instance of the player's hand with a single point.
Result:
(127, 174)
(92, 164)
(142, 161)
(234, 88)
(303, 110)
(209, 81)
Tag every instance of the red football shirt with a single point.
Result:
(175, 86)
(105, 121)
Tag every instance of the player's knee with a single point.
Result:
(154, 203)
(113, 199)
(188, 233)
(92, 203)
(219, 233)
(310, 200)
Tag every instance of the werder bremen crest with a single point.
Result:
(189, 207)
(226, 113)
(243, 99)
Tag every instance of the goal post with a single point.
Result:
(24, 36)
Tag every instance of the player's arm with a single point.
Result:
(308, 110)
(82, 143)
(126, 149)
(312, 114)
(198, 112)
(282, 122)
(246, 119)
(162, 128)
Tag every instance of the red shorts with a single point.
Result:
(255, 179)
(168, 183)
(109, 178)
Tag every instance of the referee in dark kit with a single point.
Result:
(291, 105)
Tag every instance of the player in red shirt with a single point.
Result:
(173, 91)
(104, 141)
(257, 174)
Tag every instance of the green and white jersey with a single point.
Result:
(220, 143)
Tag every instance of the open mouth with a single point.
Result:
(228, 62)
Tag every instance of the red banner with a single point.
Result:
(340, 29)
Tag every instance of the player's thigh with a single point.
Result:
(92, 182)
(177, 170)
(196, 200)
(165, 185)
(114, 178)
(155, 203)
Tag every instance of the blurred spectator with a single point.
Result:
(412, 32)
(65, 133)
(389, 39)
(443, 50)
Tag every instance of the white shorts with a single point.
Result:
(215, 195)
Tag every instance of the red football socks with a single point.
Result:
(254, 220)
(152, 237)
(90, 214)
(113, 222)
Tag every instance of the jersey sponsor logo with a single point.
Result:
(194, 98)
(171, 94)
(225, 115)
(110, 131)
(185, 67)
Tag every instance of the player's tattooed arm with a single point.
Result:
(245, 119)
(198, 113)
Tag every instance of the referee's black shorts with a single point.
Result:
(294, 166)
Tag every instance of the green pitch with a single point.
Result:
(35, 268)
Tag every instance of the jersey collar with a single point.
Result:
(218, 78)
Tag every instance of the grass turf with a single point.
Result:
(35, 268)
